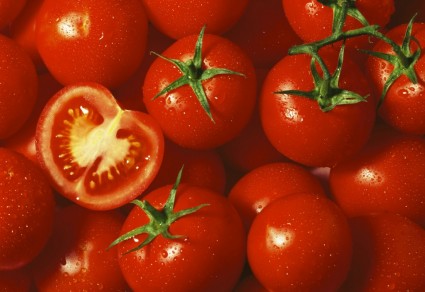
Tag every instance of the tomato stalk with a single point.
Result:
(159, 220)
(194, 75)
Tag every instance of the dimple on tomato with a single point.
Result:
(95, 153)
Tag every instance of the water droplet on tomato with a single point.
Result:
(164, 254)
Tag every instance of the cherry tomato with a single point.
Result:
(300, 242)
(299, 128)
(388, 254)
(207, 252)
(18, 87)
(76, 257)
(104, 41)
(178, 19)
(95, 153)
(402, 106)
(223, 104)
(26, 210)
(262, 185)
(386, 175)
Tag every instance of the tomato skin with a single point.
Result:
(264, 184)
(76, 257)
(18, 87)
(178, 19)
(299, 129)
(231, 97)
(26, 210)
(15, 280)
(99, 49)
(209, 257)
(301, 242)
(388, 254)
(95, 153)
(403, 106)
(9, 10)
(387, 175)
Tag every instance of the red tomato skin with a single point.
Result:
(312, 21)
(107, 50)
(231, 98)
(26, 210)
(261, 186)
(386, 176)
(76, 257)
(301, 242)
(209, 257)
(402, 107)
(18, 87)
(299, 129)
(388, 254)
(178, 19)
(9, 10)
(15, 280)
(74, 183)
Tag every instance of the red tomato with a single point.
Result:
(18, 87)
(15, 280)
(209, 255)
(95, 153)
(301, 242)
(312, 21)
(388, 254)
(263, 32)
(299, 128)
(230, 97)
(262, 185)
(402, 106)
(202, 168)
(178, 19)
(26, 210)
(76, 259)
(100, 41)
(388, 174)
(23, 141)
(9, 10)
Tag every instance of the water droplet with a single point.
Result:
(164, 254)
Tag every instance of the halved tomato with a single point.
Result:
(96, 154)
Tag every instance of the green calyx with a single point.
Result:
(326, 89)
(159, 220)
(194, 75)
(403, 59)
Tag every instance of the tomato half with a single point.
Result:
(95, 153)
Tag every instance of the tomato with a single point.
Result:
(104, 41)
(263, 32)
(299, 128)
(402, 105)
(203, 168)
(200, 251)
(266, 183)
(9, 10)
(386, 175)
(388, 254)
(178, 19)
(95, 153)
(312, 20)
(18, 87)
(26, 210)
(223, 103)
(15, 280)
(76, 257)
(300, 242)
(23, 141)
(23, 31)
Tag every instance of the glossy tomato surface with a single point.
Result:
(301, 242)
(26, 210)
(95, 153)
(100, 41)
(76, 256)
(231, 97)
(209, 255)
(178, 19)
